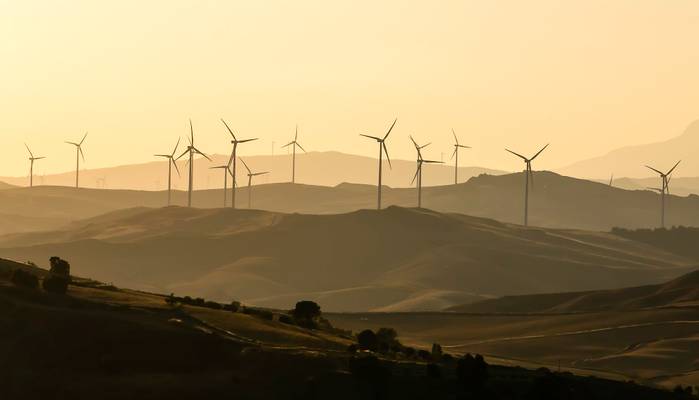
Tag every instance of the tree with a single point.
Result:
(387, 340)
(59, 266)
(306, 313)
(436, 351)
(367, 340)
(473, 372)
(23, 278)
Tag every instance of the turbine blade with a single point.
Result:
(191, 133)
(433, 162)
(174, 162)
(455, 138)
(229, 129)
(246, 140)
(518, 155)
(371, 137)
(417, 171)
(673, 168)
(197, 151)
(80, 150)
(464, 147)
(414, 142)
(296, 135)
(73, 143)
(454, 153)
(175, 149)
(649, 167)
(83, 139)
(183, 153)
(539, 152)
(299, 144)
(425, 145)
(260, 173)
(531, 174)
(385, 150)
(246, 166)
(30, 152)
(390, 129)
(288, 144)
(161, 155)
(39, 158)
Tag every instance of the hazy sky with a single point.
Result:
(588, 76)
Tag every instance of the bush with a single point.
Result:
(56, 284)
(233, 307)
(424, 355)
(388, 340)
(214, 305)
(23, 278)
(286, 319)
(436, 351)
(367, 340)
(59, 267)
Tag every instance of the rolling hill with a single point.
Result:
(328, 168)
(680, 292)
(556, 201)
(396, 259)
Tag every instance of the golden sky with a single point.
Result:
(587, 76)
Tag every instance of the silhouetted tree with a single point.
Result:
(473, 372)
(59, 266)
(306, 313)
(387, 340)
(436, 351)
(367, 340)
(23, 278)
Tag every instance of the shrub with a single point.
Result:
(388, 340)
(171, 300)
(234, 306)
(436, 351)
(23, 278)
(59, 266)
(56, 284)
(424, 355)
(214, 305)
(367, 340)
(286, 319)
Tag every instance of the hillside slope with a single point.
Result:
(555, 201)
(394, 259)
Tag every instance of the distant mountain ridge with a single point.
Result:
(630, 161)
(327, 168)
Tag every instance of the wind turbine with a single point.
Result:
(192, 151)
(226, 171)
(293, 157)
(382, 150)
(528, 175)
(664, 189)
(31, 165)
(232, 160)
(418, 172)
(170, 162)
(611, 180)
(457, 146)
(250, 175)
(78, 153)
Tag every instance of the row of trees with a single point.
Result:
(56, 281)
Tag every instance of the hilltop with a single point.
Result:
(395, 259)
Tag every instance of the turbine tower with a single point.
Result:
(232, 160)
(528, 175)
(664, 189)
(78, 153)
(170, 162)
(226, 171)
(250, 175)
(457, 146)
(31, 165)
(293, 157)
(418, 172)
(611, 181)
(382, 150)
(191, 150)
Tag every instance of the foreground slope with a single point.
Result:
(393, 260)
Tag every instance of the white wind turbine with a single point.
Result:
(232, 159)
(191, 150)
(382, 149)
(664, 189)
(78, 153)
(31, 165)
(294, 143)
(171, 161)
(528, 175)
(457, 146)
(418, 171)
(250, 175)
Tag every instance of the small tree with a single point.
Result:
(436, 351)
(367, 340)
(23, 278)
(59, 266)
(306, 313)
